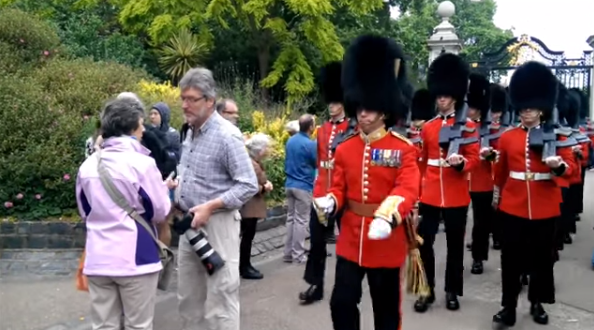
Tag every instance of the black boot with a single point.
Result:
(477, 267)
(250, 273)
(422, 304)
(539, 315)
(567, 239)
(312, 294)
(505, 317)
(452, 302)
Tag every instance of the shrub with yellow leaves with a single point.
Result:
(152, 92)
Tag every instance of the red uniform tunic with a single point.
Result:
(526, 185)
(369, 171)
(444, 186)
(480, 179)
(325, 136)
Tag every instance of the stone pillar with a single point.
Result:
(590, 41)
(444, 38)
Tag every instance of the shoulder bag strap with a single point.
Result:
(119, 199)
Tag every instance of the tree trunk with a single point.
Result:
(264, 66)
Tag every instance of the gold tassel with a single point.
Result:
(416, 280)
(415, 273)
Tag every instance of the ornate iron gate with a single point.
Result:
(572, 72)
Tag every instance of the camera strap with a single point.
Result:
(120, 200)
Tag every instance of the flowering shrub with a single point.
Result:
(152, 92)
(35, 40)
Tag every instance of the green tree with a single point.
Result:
(288, 24)
(183, 52)
(473, 22)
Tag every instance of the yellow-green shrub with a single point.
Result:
(151, 92)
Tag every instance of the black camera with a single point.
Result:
(210, 258)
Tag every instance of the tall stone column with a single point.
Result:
(444, 38)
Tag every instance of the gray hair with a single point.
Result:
(131, 96)
(257, 144)
(121, 117)
(222, 105)
(200, 79)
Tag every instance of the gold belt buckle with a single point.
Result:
(529, 176)
(443, 162)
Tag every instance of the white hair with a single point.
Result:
(258, 143)
(131, 96)
(292, 127)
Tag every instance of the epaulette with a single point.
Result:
(402, 137)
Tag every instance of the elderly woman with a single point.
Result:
(122, 261)
(255, 208)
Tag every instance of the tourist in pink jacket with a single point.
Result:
(122, 262)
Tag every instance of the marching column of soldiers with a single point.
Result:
(394, 164)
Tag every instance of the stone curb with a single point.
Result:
(64, 262)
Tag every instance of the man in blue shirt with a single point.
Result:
(300, 166)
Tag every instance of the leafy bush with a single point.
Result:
(82, 86)
(41, 151)
(35, 39)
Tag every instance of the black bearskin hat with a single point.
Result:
(374, 77)
(533, 86)
(584, 103)
(330, 83)
(498, 98)
(574, 106)
(562, 102)
(423, 105)
(479, 94)
(448, 76)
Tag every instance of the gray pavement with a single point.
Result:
(271, 304)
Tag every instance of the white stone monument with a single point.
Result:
(444, 38)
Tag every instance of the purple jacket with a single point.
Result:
(116, 245)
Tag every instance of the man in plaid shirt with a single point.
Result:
(216, 178)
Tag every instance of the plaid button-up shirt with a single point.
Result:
(215, 164)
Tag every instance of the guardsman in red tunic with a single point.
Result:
(376, 180)
(422, 109)
(480, 179)
(445, 180)
(327, 134)
(527, 196)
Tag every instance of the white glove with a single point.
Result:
(553, 161)
(379, 229)
(324, 204)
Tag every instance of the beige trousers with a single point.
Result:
(211, 302)
(132, 296)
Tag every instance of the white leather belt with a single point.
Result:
(438, 162)
(530, 176)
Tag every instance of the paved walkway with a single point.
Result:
(271, 304)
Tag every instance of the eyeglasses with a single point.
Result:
(191, 99)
